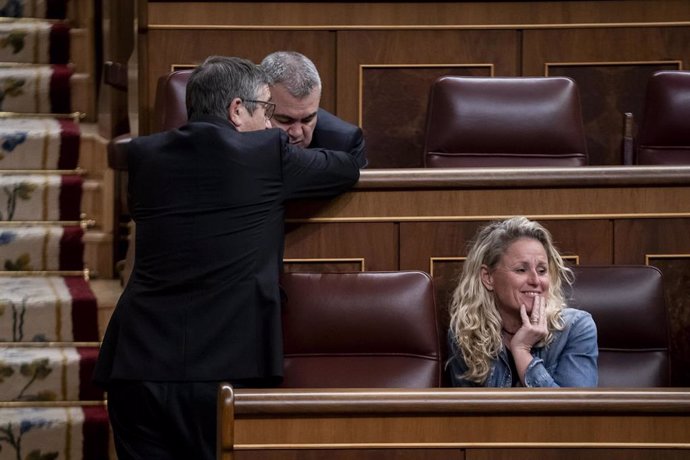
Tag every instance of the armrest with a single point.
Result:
(117, 152)
(115, 75)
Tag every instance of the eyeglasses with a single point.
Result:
(269, 107)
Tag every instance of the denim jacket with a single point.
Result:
(570, 360)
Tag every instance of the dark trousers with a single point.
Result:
(163, 420)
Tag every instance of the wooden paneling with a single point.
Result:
(392, 71)
(328, 246)
(664, 243)
(603, 45)
(621, 89)
(378, 58)
(458, 420)
(461, 204)
(393, 110)
(376, 14)
(611, 66)
(351, 454)
(577, 454)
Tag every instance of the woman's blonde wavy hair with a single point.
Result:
(474, 319)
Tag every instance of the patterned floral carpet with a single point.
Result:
(48, 312)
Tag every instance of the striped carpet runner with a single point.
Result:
(48, 312)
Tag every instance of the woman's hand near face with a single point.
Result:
(532, 331)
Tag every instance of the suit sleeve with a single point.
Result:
(335, 134)
(359, 149)
(309, 173)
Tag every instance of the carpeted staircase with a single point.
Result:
(55, 233)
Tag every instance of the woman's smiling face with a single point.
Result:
(520, 276)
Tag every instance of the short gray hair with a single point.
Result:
(293, 70)
(214, 84)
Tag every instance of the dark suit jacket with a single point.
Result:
(203, 301)
(335, 134)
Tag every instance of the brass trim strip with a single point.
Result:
(46, 241)
(37, 44)
(49, 344)
(74, 116)
(432, 260)
(84, 273)
(29, 65)
(9, 20)
(58, 310)
(661, 215)
(68, 435)
(361, 260)
(51, 404)
(46, 195)
(47, 223)
(574, 258)
(444, 445)
(678, 63)
(176, 67)
(649, 257)
(37, 88)
(45, 147)
(610, 176)
(45, 172)
(343, 27)
(63, 374)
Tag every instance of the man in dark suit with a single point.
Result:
(296, 91)
(203, 304)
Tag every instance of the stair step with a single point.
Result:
(35, 42)
(41, 248)
(47, 309)
(48, 373)
(39, 144)
(41, 197)
(35, 88)
(46, 89)
(71, 432)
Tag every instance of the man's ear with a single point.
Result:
(236, 112)
(487, 278)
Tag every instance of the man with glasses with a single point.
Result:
(296, 91)
(202, 304)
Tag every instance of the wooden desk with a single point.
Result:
(454, 423)
(422, 219)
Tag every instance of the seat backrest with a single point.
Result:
(360, 330)
(664, 133)
(170, 108)
(506, 121)
(628, 307)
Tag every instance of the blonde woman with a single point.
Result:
(509, 323)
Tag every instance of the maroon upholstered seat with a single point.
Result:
(360, 330)
(664, 133)
(627, 303)
(169, 108)
(508, 121)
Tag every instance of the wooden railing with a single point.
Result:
(452, 422)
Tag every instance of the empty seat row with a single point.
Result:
(382, 329)
(507, 121)
(522, 121)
